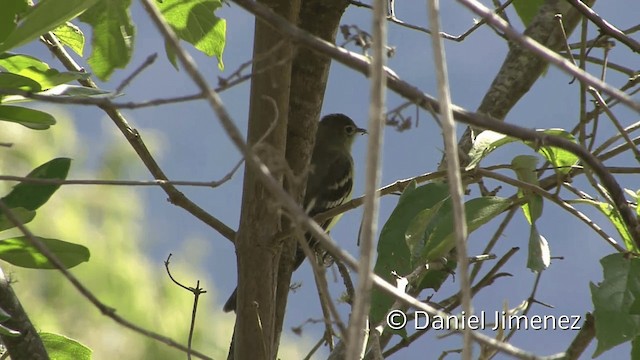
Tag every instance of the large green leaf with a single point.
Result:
(32, 196)
(439, 237)
(18, 82)
(45, 16)
(539, 256)
(613, 215)
(31, 118)
(10, 11)
(72, 36)
(487, 141)
(613, 301)
(23, 215)
(63, 348)
(19, 252)
(525, 168)
(113, 36)
(527, 9)
(194, 22)
(393, 252)
(52, 77)
(16, 62)
(8, 332)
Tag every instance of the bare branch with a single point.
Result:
(135, 140)
(148, 61)
(85, 292)
(453, 171)
(605, 27)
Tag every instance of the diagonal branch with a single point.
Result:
(135, 140)
(605, 27)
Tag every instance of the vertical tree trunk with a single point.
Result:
(309, 75)
(257, 252)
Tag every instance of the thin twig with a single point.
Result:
(548, 55)
(197, 291)
(600, 101)
(362, 301)
(453, 171)
(563, 204)
(328, 307)
(147, 62)
(42, 181)
(494, 239)
(453, 301)
(84, 291)
(457, 38)
(604, 26)
(135, 140)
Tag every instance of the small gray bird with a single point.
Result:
(330, 180)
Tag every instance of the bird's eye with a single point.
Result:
(349, 129)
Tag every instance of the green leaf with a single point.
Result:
(50, 78)
(614, 216)
(539, 257)
(72, 36)
(393, 253)
(562, 160)
(612, 300)
(63, 348)
(4, 316)
(33, 119)
(487, 141)
(414, 235)
(15, 81)
(8, 15)
(45, 16)
(635, 348)
(113, 36)
(32, 196)
(527, 9)
(440, 238)
(37, 70)
(525, 169)
(194, 22)
(8, 332)
(16, 62)
(484, 144)
(76, 91)
(19, 252)
(23, 215)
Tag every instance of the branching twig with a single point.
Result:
(605, 27)
(600, 101)
(548, 55)
(457, 38)
(148, 61)
(563, 204)
(197, 291)
(135, 140)
(210, 184)
(85, 292)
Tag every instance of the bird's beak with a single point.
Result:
(361, 131)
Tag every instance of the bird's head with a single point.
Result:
(338, 129)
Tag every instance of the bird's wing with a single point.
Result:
(329, 184)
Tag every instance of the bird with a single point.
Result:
(330, 180)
